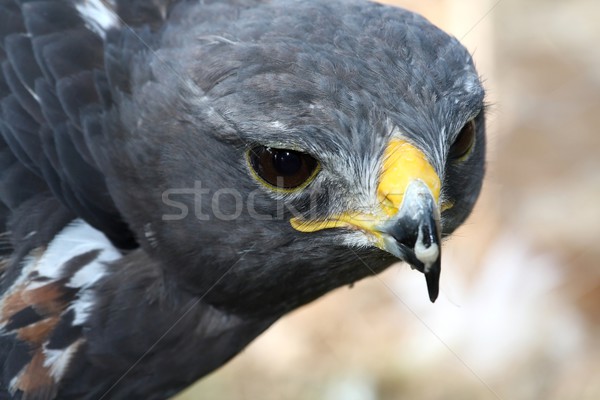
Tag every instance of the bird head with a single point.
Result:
(293, 151)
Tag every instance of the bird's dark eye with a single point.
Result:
(281, 168)
(464, 141)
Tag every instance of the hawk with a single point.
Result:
(176, 175)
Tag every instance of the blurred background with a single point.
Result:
(519, 312)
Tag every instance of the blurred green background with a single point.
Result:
(519, 311)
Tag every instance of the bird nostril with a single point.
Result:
(390, 202)
(388, 205)
(426, 236)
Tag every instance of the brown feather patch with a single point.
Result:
(12, 300)
(12, 304)
(39, 332)
(43, 310)
(35, 381)
(50, 299)
(47, 298)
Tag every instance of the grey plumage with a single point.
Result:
(137, 113)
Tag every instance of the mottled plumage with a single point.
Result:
(140, 247)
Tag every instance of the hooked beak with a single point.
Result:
(407, 221)
(413, 234)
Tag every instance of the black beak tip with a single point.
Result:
(432, 277)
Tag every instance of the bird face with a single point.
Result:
(324, 154)
(391, 201)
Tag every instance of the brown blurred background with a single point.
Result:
(519, 312)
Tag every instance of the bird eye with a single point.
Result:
(464, 141)
(281, 168)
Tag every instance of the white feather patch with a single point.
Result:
(89, 273)
(12, 386)
(58, 359)
(98, 15)
(83, 307)
(278, 125)
(76, 239)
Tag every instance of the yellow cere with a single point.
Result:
(345, 220)
(403, 163)
(350, 220)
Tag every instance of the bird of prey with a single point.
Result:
(176, 175)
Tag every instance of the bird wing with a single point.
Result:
(63, 62)
(65, 65)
